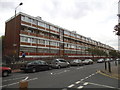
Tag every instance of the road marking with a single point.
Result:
(66, 70)
(107, 75)
(12, 79)
(32, 79)
(80, 87)
(17, 82)
(86, 77)
(79, 68)
(81, 79)
(93, 74)
(71, 85)
(77, 82)
(59, 72)
(89, 75)
(101, 85)
(86, 83)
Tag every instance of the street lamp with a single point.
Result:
(17, 7)
(14, 43)
(15, 22)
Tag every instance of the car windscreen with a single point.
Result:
(62, 60)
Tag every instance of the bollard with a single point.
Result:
(109, 67)
(115, 63)
(105, 65)
(23, 84)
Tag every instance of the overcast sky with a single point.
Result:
(91, 18)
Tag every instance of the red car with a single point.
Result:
(4, 70)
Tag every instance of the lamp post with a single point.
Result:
(17, 7)
(14, 42)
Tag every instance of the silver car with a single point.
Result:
(88, 61)
(100, 60)
(76, 62)
(59, 63)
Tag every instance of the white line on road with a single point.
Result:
(17, 82)
(77, 82)
(86, 77)
(86, 83)
(12, 79)
(60, 72)
(71, 85)
(80, 87)
(89, 75)
(100, 85)
(93, 74)
(81, 79)
(79, 68)
(32, 79)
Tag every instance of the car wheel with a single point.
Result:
(5, 73)
(49, 68)
(33, 70)
(59, 67)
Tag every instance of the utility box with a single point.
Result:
(23, 83)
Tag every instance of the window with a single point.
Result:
(67, 51)
(41, 24)
(46, 34)
(42, 33)
(54, 43)
(23, 18)
(54, 28)
(29, 40)
(46, 42)
(27, 19)
(73, 46)
(34, 40)
(47, 26)
(40, 50)
(72, 34)
(41, 41)
(27, 49)
(66, 32)
(54, 51)
(23, 39)
(34, 21)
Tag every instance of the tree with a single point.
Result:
(117, 29)
(97, 52)
(114, 53)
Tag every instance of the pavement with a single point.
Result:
(16, 70)
(115, 73)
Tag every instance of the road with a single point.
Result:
(65, 78)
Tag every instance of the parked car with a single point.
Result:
(5, 70)
(88, 61)
(36, 65)
(76, 62)
(100, 60)
(107, 60)
(118, 59)
(59, 63)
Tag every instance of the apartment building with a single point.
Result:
(39, 39)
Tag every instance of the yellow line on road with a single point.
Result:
(107, 75)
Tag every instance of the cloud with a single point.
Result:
(90, 18)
